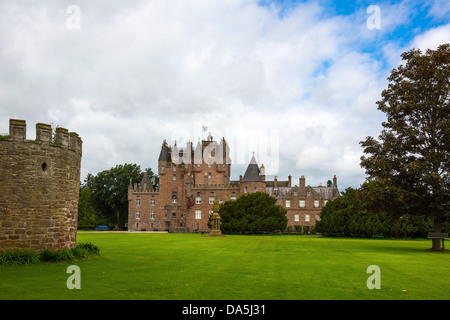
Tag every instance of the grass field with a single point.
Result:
(195, 267)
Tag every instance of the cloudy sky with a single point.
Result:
(295, 82)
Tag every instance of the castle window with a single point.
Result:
(301, 203)
(174, 215)
(152, 214)
(233, 198)
(211, 200)
(209, 175)
(245, 189)
(288, 203)
(138, 215)
(211, 212)
(256, 189)
(152, 202)
(198, 200)
(174, 168)
(174, 177)
(316, 203)
(325, 202)
(44, 167)
(138, 202)
(198, 214)
(308, 193)
(307, 217)
(296, 217)
(165, 216)
(174, 197)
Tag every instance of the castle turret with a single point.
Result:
(175, 155)
(40, 183)
(252, 181)
(146, 184)
(252, 172)
(163, 159)
(198, 154)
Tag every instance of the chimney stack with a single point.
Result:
(302, 182)
(262, 172)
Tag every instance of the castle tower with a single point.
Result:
(252, 181)
(39, 183)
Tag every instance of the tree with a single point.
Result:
(86, 212)
(412, 154)
(255, 212)
(110, 190)
(360, 213)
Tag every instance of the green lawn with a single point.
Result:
(192, 266)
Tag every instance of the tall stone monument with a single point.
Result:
(215, 220)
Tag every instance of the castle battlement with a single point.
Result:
(142, 188)
(44, 135)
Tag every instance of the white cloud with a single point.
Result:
(431, 39)
(140, 72)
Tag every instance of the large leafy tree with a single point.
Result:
(411, 156)
(110, 191)
(255, 212)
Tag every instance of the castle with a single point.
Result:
(39, 186)
(191, 179)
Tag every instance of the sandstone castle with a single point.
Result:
(190, 179)
(39, 186)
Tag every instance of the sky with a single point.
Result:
(294, 83)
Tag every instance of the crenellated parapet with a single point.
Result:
(39, 186)
(44, 135)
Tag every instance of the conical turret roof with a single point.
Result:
(163, 156)
(146, 180)
(252, 172)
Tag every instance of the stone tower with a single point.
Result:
(39, 186)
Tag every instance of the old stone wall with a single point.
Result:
(39, 186)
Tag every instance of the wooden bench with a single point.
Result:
(438, 235)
